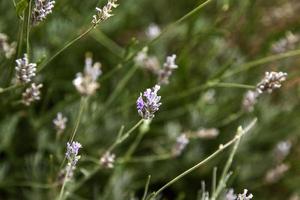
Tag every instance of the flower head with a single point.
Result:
(107, 160)
(166, 72)
(148, 102)
(8, 49)
(230, 195)
(153, 31)
(250, 99)
(86, 83)
(244, 196)
(25, 71)
(72, 157)
(143, 60)
(271, 81)
(60, 122)
(41, 9)
(104, 13)
(181, 142)
(32, 94)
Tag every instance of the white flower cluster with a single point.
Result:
(25, 71)
(8, 49)
(32, 94)
(104, 13)
(41, 9)
(86, 83)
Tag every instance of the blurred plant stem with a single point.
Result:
(121, 137)
(264, 60)
(28, 30)
(83, 102)
(222, 147)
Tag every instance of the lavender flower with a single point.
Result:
(181, 142)
(250, 99)
(107, 160)
(276, 173)
(207, 133)
(104, 13)
(8, 49)
(25, 71)
(148, 102)
(72, 157)
(60, 122)
(86, 83)
(41, 9)
(244, 196)
(143, 60)
(153, 31)
(32, 94)
(230, 195)
(271, 81)
(287, 43)
(282, 150)
(166, 72)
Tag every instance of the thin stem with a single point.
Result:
(255, 63)
(234, 85)
(214, 180)
(20, 39)
(28, 29)
(65, 47)
(63, 186)
(221, 149)
(120, 139)
(83, 102)
(223, 178)
(146, 188)
(12, 87)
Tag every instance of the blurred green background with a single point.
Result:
(221, 38)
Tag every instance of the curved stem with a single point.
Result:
(12, 87)
(65, 47)
(221, 148)
(261, 61)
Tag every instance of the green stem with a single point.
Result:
(83, 102)
(221, 149)
(234, 85)
(65, 47)
(223, 180)
(12, 87)
(255, 63)
(61, 194)
(28, 29)
(146, 188)
(125, 135)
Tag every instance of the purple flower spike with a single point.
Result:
(148, 103)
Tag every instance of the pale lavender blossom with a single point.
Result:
(72, 157)
(104, 13)
(8, 49)
(107, 160)
(245, 196)
(282, 150)
(150, 63)
(166, 71)
(86, 83)
(25, 71)
(207, 133)
(181, 143)
(230, 195)
(60, 122)
(41, 9)
(153, 31)
(275, 174)
(148, 103)
(249, 100)
(287, 43)
(271, 81)
(32, 94)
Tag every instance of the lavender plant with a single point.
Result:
(215, 89)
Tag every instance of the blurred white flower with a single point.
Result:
(153, 31)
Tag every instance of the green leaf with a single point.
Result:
(20, 8)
